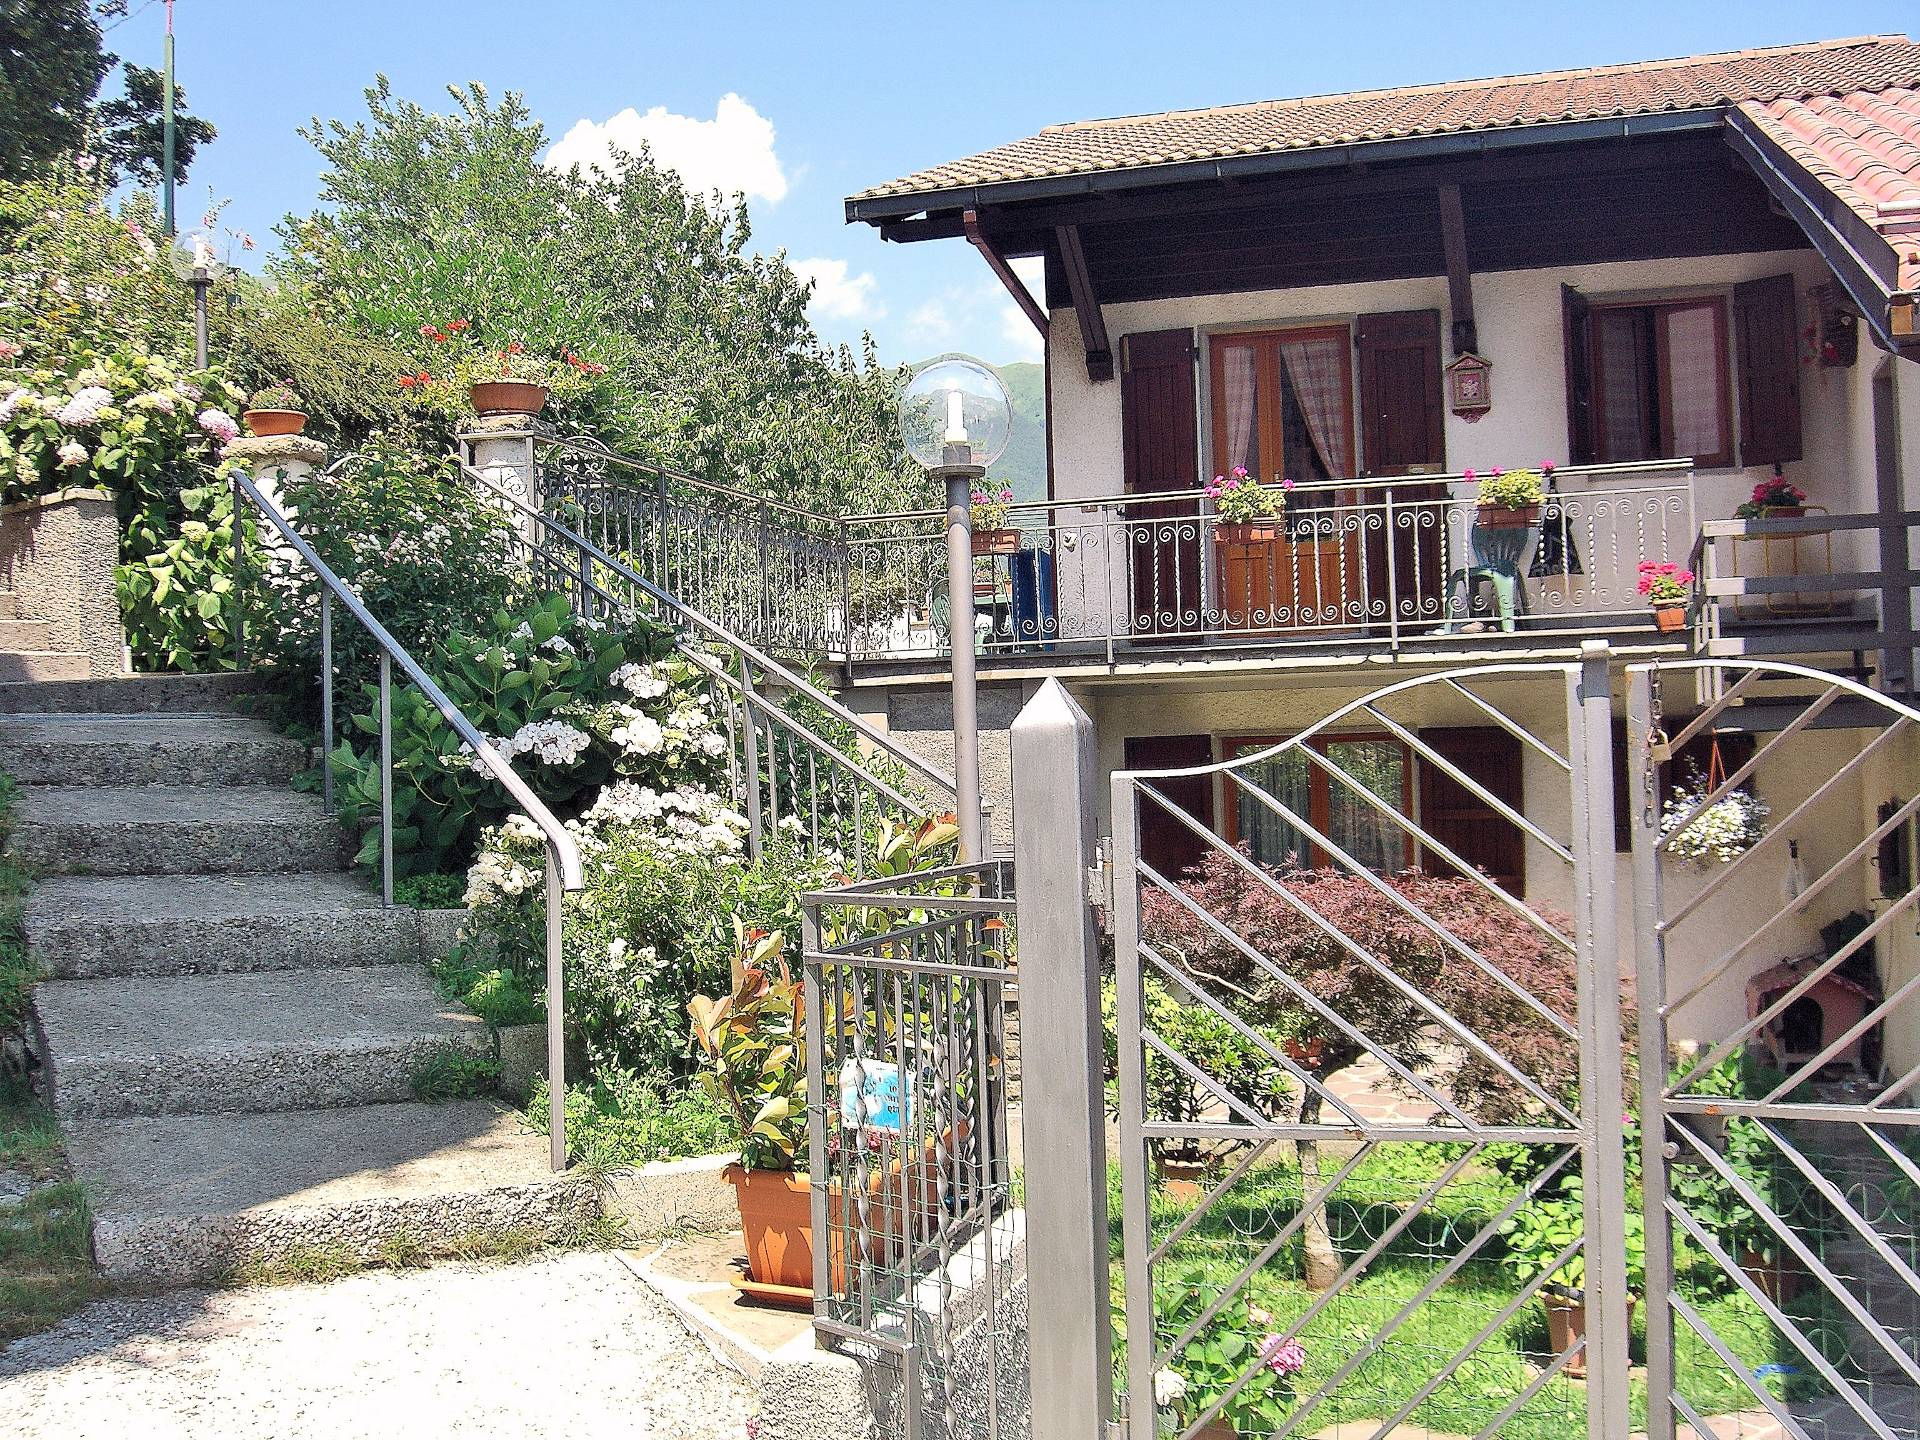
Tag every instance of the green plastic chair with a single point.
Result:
(1496, 562)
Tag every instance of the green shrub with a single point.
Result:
(620, 1118)
(430, 890)
(550, 690)
(446, 1072)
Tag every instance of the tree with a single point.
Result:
(51, 67)
(1394, 1019)
(712, 366)
(132, 130)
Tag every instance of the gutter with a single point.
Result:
(874, 209)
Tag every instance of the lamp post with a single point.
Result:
(193, 261)
(955, 418)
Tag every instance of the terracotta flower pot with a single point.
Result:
(507, 397)
(1249, 532)
(1567, 1322)
(275, 422)
(996, 542)
(1183, 1180)
(1508, 517)
(1669, 617)
(776, 1217)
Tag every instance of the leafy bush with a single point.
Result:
(430, 890)
(753, 1042)
(425, 553)
(1212, 1363)
(1553, 1219)
(539, 682)
(622, 1119)
(178, 599)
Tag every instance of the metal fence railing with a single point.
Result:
(912, 1139)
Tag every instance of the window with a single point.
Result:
(1331, 807)
(1654, 378)
(1283, 404)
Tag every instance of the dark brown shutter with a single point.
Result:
(1402, 415)
(1460, 819)
(1767, 338)
(1161, 452)
(1576, 321)
(1166, 843)
(1403, 428)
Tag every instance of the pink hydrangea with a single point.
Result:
(220, 425)
(1283, 1356)
(85, 407)
(9, 350)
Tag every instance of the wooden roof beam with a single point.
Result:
(1453, 235)
(1022, 297)
(1086, 304)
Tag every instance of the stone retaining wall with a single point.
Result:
(57, 554)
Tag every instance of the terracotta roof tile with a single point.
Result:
(1702, 82)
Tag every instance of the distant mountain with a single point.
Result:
(1024, 465)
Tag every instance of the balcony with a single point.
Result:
(1394, 567)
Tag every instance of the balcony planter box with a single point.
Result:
(274, 422)
(1250, 532)
(1280, 584)
(1502, 517)
(1669, 618)
(1785, 512)
(996, 542)
(507, 397)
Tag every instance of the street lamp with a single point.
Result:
(192, 260)
(955, 418)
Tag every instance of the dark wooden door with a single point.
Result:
(1161, 539)
(1167, 844)
(1402, 432)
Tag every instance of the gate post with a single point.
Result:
(1064, 1137)
(1602, 1094)
(1650, 978)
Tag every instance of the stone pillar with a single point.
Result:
(277, 459)
(57, 558)
(501, 448)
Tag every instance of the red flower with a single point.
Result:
(406, 382)
(516, 348)
(459, 324)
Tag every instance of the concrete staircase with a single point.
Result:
(230, 1023)
(25, 652)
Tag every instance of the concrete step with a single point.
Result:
(125, 694)
(192, 1198)
(9, 605)
(268, 1040)
(174, 829)
(82, 927)
(151, 749)
(24, 634)
(40, 665)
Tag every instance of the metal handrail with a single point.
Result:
(564, 869)
(718, 634)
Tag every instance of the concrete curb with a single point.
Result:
(668, 1195)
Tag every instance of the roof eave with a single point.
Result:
(877, 209)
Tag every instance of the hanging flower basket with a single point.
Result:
(1004, 541)
(1723, 832)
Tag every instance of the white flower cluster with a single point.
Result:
(85, 407)
(635, 733)
(497, 875)
(551, 742)
(643, 682)
(686, 819)
(1724, 832)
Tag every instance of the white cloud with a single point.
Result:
(931, 325)
(836, 294)
(731, 152)
(1032, 270)
(1017, 330)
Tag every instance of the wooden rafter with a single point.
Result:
(1086, 304)
(998, 263)
(1453, 236)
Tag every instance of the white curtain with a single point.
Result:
(1239, 402)
(1317, 370)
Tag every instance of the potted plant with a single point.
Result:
(1537, 1234)
(1238, 1339)
(991, 533)
(499, 380)
(1667, 588)
(1510, 499)
(275, 410)
(751, 1040)
(1245, 510)
(1773, 498)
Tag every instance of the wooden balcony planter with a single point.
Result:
(996, 542)
(1265, 584)
(1506, 517)
(1250, 532)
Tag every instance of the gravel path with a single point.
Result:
(571, 1346)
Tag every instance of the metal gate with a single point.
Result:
(1380, 1173)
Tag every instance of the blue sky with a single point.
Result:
(830, 97)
